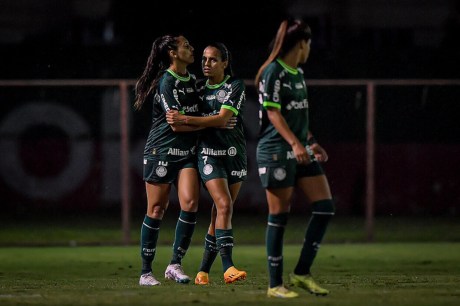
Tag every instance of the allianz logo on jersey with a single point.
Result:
(178, 152)
(297, 105)
(213, 152)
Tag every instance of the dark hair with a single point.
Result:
(157, 62)
(289, 33)
(225, 55)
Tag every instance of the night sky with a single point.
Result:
(68, 45)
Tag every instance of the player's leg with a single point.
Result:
(210, 251)
(317, 192)
(157, 203)
(188, 194)
(210, 248)
(220, 193)
(232, 274)
(278, 200)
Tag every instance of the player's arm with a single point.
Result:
(169, 102)
(185, 128)
(174, 118)
(280, 124)
(224, 120)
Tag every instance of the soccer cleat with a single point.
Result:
(176, 273)
(306, 282)
(233, 274)
(202, 278)
(281, 292)
(148, 279)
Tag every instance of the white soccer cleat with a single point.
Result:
(176, 273)
(148, 279)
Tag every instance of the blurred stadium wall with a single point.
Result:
(60, 149)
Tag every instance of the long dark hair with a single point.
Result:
(289, 33)
(225, 55)
(157, 62)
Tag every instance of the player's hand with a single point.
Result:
(173, 117)
(301, 154)
(320, 153)
(231, 123)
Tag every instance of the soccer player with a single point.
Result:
(170, 153)
(288, 156)
(221, 155)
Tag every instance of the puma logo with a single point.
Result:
(288, 85)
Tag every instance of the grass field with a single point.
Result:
(80, 260)
(84, 230)
(357, 274)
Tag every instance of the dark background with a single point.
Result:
(417, 127)
(112, 38)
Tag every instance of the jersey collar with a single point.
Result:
(180, 78)
(287, 67)
(217, 85)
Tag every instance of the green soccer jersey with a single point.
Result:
(173, 93)
(230, 94)
(284, 88)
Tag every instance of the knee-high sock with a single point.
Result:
(209, 254)
(149, 236)
(322, 213)
(224, 239)
(274, 242)
(184, 231)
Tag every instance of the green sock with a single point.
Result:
(313, 237)
(184, 231)
(274, 241)
(149, 236)
(209, 254)
(224, 240)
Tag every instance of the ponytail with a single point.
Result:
(157, 62)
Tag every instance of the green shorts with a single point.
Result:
(232, 168)
(282, 174)
(165, 172)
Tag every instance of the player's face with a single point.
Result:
(184, 50)
(306, 45)
(212, 64)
